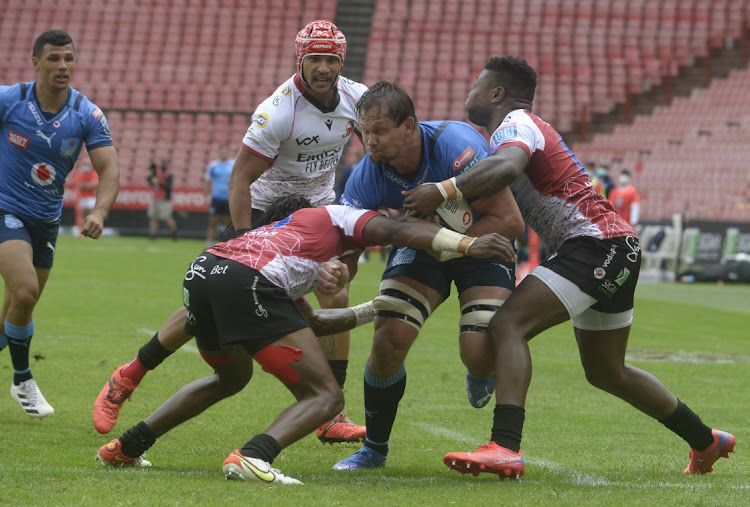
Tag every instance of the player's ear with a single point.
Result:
(409, 123)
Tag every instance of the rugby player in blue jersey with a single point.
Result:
(44, 125)
(403, 153)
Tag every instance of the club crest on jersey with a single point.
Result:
(599, 273)
(12, 222)
(261, 119)
(43, 174)
(18, 140)
(503, 133)
(69, 147)
(277, 100)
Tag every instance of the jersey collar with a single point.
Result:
(312, 100)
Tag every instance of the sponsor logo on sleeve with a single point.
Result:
(105, 125)
(18, 140)
(97, 113)
(261, 119)
(463, 159)
(503, 134)
(286, 91)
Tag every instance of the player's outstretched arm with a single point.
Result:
(488, 176)
(423, 235)
(107, 168)
(325, 322)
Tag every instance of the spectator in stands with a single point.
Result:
(744, 201)
(86, 182)
(43, 125)
(602, 172)
(293, 144)
(590, 168)
(217, 192)
(590, 279)
(161, 181)
(626, 199)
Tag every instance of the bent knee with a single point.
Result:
(26, 295)
(329, 403)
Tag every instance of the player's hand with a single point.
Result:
(332, 277)
(93, 225)
(492, 245)
(423, 200)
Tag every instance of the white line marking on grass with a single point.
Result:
(579, 478)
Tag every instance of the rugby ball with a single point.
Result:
(456, 215)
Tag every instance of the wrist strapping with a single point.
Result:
(363, 314)
(449, 190)
(446, 240)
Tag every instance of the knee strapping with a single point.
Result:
(476, 315)
(399, 301)
(277, 360)
(215, 361)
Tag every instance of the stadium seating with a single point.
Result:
(589, 55)
(693, 153)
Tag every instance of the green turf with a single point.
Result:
(106, 298)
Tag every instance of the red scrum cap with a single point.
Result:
(321, 37)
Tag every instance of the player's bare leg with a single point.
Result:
(171, 336)
(385, 373)
(23, 287)
(336, 348)
(478, 305)
(126, 378)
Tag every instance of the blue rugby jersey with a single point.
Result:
(37, 154)
(450, 148)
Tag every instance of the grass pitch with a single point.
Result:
(582, 447)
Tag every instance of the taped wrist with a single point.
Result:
(363, 314)
(446, 240)
(449, 190)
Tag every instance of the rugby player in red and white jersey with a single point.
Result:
(292, 146)
(590, 277)
(240, 299)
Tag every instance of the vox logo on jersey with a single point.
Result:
(308, 141)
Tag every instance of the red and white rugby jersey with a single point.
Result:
(290, 252)
(302, 139)
(556, 197)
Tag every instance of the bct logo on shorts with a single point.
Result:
(12, 222)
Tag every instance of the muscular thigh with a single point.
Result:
(299, 362)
